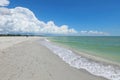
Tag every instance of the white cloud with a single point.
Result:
(4, 2)
(22, 20)
(91, 32)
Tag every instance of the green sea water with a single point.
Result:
(105, 47)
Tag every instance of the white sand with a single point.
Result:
(6, 42)
(24, 58)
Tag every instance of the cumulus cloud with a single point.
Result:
(4, 2)
(91, 32)
(22, 20)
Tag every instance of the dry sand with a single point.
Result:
(24, 58)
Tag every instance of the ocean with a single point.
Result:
(103, 47)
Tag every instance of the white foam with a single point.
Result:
(47, 40)
(108, 71)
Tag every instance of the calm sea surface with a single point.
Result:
(105, 47)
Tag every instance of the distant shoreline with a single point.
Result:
(18, 35)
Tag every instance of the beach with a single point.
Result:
(23, 58)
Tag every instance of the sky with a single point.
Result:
(78, 17)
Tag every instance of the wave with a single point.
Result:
(96, 68)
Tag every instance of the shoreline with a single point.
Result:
(29, 60)
(89, 56)
(92, 59)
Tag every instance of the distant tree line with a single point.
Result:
(18, 35)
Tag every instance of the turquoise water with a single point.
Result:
(105, 47)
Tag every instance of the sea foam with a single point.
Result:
(96, 68)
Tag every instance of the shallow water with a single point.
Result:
(97, 68)
(105, 47)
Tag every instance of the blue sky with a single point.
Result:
(96, 15)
